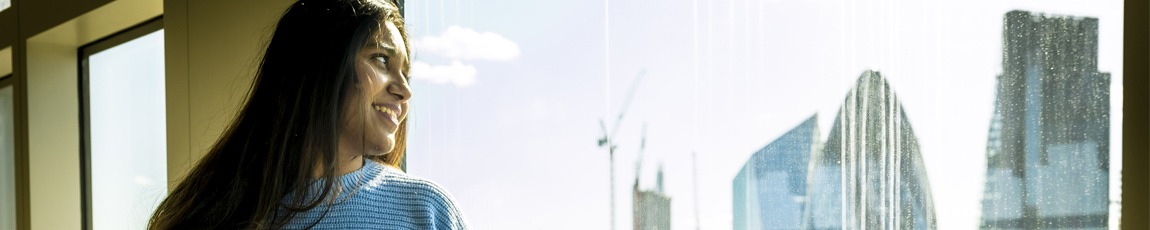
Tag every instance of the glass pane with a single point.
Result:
(129, 151)
(776, 114)
(7, 160)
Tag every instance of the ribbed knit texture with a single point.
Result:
(384, 198)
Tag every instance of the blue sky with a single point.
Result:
(516, 143)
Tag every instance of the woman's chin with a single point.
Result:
(378, 153)
(382, 150)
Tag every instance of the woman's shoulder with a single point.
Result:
(398, 190)
(394, 180)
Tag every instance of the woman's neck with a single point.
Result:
(348, 166)
(344, 166)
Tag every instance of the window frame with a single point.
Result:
(84, 53)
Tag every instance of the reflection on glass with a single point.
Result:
(128, 133)
(7, 161)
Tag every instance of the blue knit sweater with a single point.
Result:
(384, 198)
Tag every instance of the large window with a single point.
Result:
(782, 114)
(7, 155)
(125, 135)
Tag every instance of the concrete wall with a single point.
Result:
(5, 61)
(212, 49)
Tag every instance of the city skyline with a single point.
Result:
(867, 174)
(1047, 146)
(525, 129)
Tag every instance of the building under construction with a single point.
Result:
(652, 208)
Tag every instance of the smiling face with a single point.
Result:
(378, 105)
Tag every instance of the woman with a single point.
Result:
(321, 136)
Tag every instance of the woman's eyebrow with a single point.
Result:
(386, 47)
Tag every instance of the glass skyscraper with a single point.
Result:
(867, 175)
(770, 190)
(1049, 141)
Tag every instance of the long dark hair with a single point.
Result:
(289, 127)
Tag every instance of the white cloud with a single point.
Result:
(457, 73)
(467, 44)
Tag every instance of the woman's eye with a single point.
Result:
(382, 59)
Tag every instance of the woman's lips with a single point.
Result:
(389, 112)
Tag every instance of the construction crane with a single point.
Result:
(642, 147)
(608, 138)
